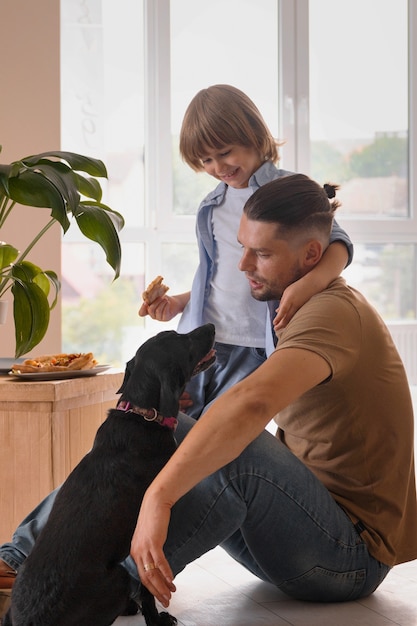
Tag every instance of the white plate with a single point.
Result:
(60, 375)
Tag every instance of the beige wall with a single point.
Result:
(30, 123)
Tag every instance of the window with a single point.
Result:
(359, 131)
(240, 49)
(124, 102)
(331, 80)
(359, 104)
(347, 112)
(102, 87)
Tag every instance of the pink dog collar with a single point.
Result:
(150, 415)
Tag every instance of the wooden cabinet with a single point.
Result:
(45, 429)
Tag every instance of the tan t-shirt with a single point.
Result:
(355, 431)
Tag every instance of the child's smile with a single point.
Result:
(233, 164)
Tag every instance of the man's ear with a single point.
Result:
(313, 252)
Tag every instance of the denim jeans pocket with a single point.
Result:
(322, 585)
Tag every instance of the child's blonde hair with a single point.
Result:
(223, 115)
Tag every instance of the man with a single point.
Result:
(327, 507)
(324, 510)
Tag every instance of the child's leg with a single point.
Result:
(25, 535)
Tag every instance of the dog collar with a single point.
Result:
(150, 415)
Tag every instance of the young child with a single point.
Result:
(224, 134)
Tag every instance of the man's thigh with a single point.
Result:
(274, 516)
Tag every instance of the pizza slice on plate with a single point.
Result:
(56, 363)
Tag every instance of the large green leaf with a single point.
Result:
(33, 189)
(89, 187)
(77, 162)
(62, 177)
(52, 279)
(53, 180)
(97, 222)
(8, 254)
(27, 272)
(31, 307)
(31, 316)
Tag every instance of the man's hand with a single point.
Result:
(146, 549)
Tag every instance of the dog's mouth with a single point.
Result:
(205, 362)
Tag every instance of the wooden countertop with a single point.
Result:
(18, 389)
(46, 427)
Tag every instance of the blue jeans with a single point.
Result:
(233, 363)
(270, 513)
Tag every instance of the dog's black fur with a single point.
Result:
(73, 575)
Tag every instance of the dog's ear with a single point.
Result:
(171, 388)
(128, 371)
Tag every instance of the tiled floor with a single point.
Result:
(215, 590)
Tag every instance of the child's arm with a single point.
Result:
(165, 308)
(332, 263)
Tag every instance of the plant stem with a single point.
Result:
(36, 239)
(8, 276)
(3, 284)
(5, 210)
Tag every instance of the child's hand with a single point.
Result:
(162, 309)
(293, 298)
(320, 277)
(185, 402)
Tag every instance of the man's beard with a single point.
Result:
(266, 295)
(274, 292)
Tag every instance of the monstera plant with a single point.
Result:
(66, 183)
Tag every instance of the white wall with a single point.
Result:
(30, 123)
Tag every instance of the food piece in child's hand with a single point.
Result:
(155, 289)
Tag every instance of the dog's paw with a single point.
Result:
(131, 608)
(165, 619)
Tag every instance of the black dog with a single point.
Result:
(73, 575)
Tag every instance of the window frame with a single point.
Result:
(293, 123)
(294, 120)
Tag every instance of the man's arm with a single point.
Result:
(236, 418)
